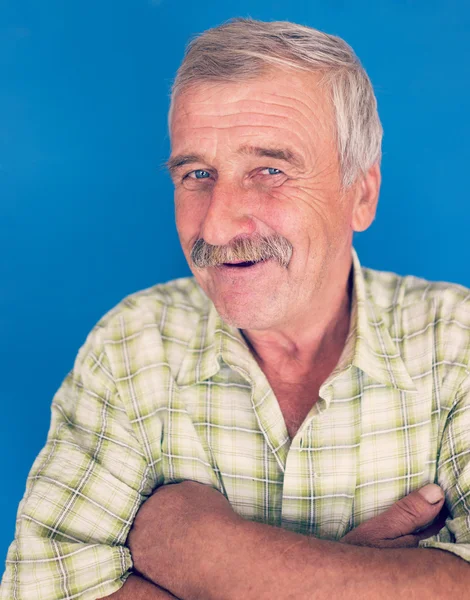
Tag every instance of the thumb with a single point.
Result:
(414, 511)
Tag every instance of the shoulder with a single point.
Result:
(413, 306)
(166, 311)
(181, 298)
(388, 289)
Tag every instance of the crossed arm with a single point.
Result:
(189, 541)
(92, 474)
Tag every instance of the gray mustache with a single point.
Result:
(251, 249)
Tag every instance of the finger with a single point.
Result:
(434, 528)
(367, 534)
(412, 540)
(409, 513)
(439, 521)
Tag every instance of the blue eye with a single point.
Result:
(201, 174)
(273, 171)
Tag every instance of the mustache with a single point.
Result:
(252, 249)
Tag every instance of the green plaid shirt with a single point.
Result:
(163, 390)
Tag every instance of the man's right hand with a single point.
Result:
(404, 524)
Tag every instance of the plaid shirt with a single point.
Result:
(163, 390)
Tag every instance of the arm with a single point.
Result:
(233, 558)
(138, 588)
(280, 564)
(82, 494)
(218, 555)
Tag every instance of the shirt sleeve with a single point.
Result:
(82, 494)
(454, 477)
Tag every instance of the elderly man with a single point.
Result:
(298, 402)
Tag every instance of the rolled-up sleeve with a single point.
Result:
(82, 494)
(454, 477)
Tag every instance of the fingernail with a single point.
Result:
(432, 493)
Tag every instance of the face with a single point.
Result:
(254, 161)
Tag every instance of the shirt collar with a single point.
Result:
(368, 347)
(374, 352)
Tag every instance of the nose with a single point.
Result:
(228, 215)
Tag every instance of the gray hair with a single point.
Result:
(243, 49)
(247, 249)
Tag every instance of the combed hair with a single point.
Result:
(243, 49)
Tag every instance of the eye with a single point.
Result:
(271, 177)
(197, 174)
(272, 171)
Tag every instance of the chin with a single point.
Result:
(246, 319)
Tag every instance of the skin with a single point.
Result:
(294, 317)
(200, 513)
(214, 545)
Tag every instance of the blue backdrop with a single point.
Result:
(85, 209)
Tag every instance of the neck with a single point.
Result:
(290, 353)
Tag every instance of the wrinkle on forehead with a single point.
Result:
(301, 96)
(257, 114)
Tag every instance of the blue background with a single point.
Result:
(86, 211)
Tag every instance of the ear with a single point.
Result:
(366, 198)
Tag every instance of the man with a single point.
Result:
(312, 398)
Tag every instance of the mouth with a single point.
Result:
(242, 264)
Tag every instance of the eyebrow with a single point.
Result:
(175, 162)
(284, 154)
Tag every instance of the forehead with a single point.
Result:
(281, 102)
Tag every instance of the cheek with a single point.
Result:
(312, 219)
(188, 214)
(321, 209)
(292, 211)
(279, 208)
